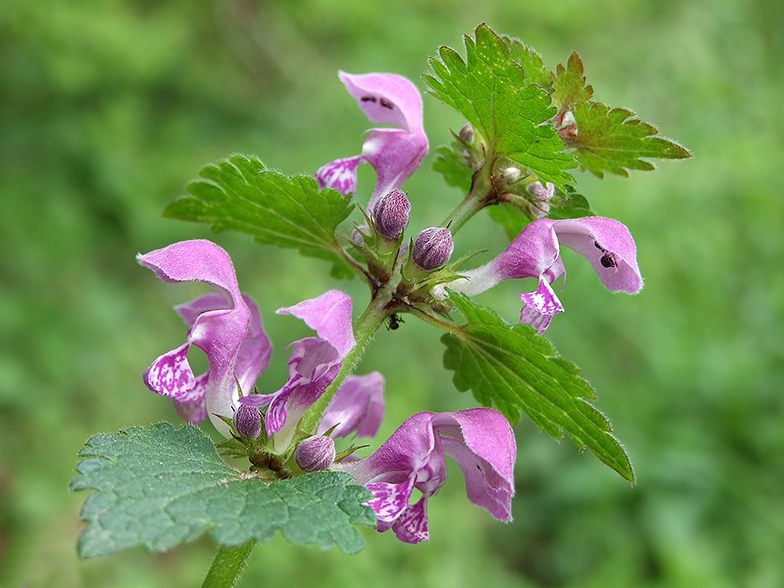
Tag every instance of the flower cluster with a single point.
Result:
(227, 326)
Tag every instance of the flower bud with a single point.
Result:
(511, 174)
(315, 454)
(391, 214)
(432, 248)
(247, 422)
(540, 192)
(467, 133)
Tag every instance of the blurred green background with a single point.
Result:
(108, 107)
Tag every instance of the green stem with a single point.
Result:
(229, 563)
(364, 330)
(474, 201)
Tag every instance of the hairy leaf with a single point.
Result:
(241, 194)
(450, 164)
(489, 88)
(615, 140)
(569, 83)
(531, 62)
(518, 370)
(162, 486)
(570, 205)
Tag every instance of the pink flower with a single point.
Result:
(395, 153)
(480, 440)
(314, 363)
(535, 253)
(226, 325)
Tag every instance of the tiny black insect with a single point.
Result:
(608, 260)
(393, 322)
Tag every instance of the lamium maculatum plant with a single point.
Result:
(526, 129)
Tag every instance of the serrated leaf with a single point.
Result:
(615, 140)
(450, 164)
(531, 62)
(162, 486)
(489, 88)
(571, 205)
(518, 370)
(569, 83)
(241, 194)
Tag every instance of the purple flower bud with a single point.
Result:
(391, 214)
(315, 454)
(247, 422)
(432, 248)
(540, 192)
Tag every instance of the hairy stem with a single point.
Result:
(228, 565)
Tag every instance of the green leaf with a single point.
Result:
(241, 194)
(572, 205)
(569, 83)
(518, 370)
(615, 140)
(510, 217)
(531, 62)
(489, 88)
(450, 164)
(162, 486)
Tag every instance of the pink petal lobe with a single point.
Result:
(608, 246)
(411, 525)
(540, 307)
(386, 99)
(340, 174)
(171, 375)
(330, 316)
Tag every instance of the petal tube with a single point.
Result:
(532, 253)
(406, 452)
(395, 155)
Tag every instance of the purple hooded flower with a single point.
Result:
(535, 253)
(395, 153)
(479, 439)
(314, 363)
(225, 324)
